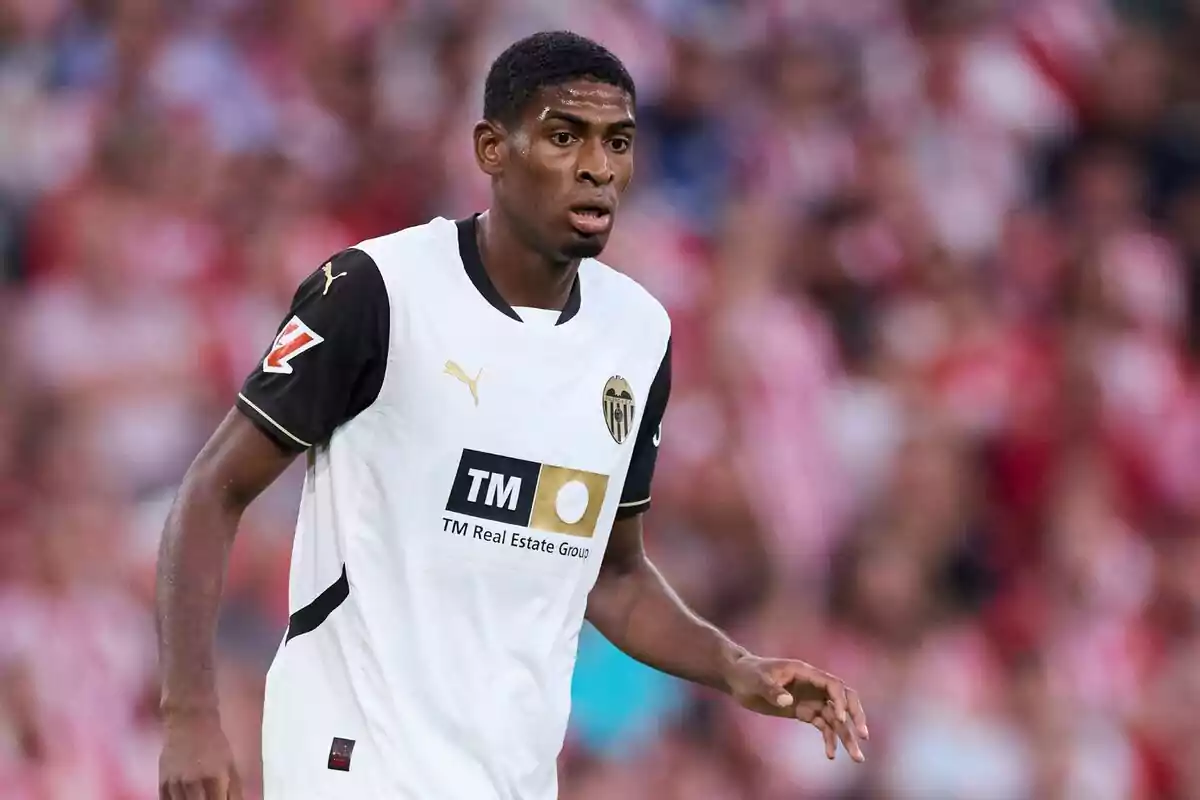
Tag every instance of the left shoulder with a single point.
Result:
(621, 296)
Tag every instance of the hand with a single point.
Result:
(782, 688)
(196, 762)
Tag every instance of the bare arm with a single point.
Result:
(636, 610)
(324, 367)
(235, 466)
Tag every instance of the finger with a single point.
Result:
(175, 789)
(216, 787)
(835, 690)
(774, 692)
(235, 785)
(850, 742)
(194, 790)
(846, 734)
(858, 716)
(828, 735)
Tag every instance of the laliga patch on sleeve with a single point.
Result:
(339, 754)
(294, 339)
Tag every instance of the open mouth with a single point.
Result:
(590, 220)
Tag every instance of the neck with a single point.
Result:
(522, 275)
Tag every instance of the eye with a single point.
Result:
(562, 138)
(620, 144)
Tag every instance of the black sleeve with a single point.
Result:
(327, 362)
(635, 497)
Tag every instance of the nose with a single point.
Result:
(594, 166)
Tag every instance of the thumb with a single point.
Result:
(773, 690)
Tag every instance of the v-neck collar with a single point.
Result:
(468, 249)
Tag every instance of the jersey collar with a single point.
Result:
(468, 249)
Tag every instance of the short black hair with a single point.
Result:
(546, 59)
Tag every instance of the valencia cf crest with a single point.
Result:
(618, 408)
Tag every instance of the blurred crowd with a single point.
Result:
(934, 271)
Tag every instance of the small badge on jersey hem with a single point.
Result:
(618, 407)
(339, 754)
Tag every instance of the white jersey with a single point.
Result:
(465, 467)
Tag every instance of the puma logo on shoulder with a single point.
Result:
(330, 277)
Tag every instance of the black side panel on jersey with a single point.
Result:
(310, 617)
(329, 356)
(635, 497)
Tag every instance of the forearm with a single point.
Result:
(642, 615)
(192, 563)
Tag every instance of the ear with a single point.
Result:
(491, 147)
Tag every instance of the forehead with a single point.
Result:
(599, 103)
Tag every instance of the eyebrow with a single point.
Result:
(567, 116)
